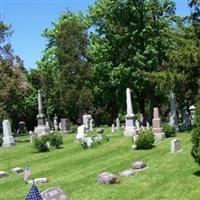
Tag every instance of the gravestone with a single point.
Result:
(88, 141)
(55, 123)
(186, 119)
(17, 170)
(173, 116)
(91, 124)
(175, 146)
(8, 139)
(139, 165)
(137, 124)
(81, 132)
(130, 128)
(117, 123)
(21, 128)
(3, 174)
(107, 178)
(86, 121)
(54, 194)
(38, 180)
(126, 173)
(41, 128)
(63, 124)
(157, 130)
(113, 128)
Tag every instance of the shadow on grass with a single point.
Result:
(197, 173)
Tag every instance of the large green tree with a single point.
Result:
(129, 40)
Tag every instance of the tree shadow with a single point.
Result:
(197, 173)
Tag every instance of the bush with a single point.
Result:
(196, 144)
(169, 130)
(47, 142)
(41, 143)
(1, 140)
(55, 140)
(145, 140)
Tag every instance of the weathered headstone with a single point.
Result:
(186, 119)
(55, 123)
(8, 139)
(192, 109)
(173, 116)
(21, 128)
(126, 173)
(54, 194)
(38, 180)
(86, 121)
(175, 146)
(88, 141)
(137, 124)
(3, 174)
(130, 128)
(107, 178)
(117, 123)
(81, 132)
(138, 165)
(63, 123)
(41, 128)
(17, 170)
(113, 128)
(157, 130)
(91, 124)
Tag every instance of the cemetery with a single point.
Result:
(110, 110)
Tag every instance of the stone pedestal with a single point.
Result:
(130, 128)
(41, 128)
(8, 139)
(157, 130)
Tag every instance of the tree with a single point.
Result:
(64, 68)
(129, 42)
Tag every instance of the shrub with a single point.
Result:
(41, 143)
(1, 140)
(55, 140)
(196, 144)
(145, 140)
(169, 130)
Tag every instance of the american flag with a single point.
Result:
(34, 194)
(27, 173)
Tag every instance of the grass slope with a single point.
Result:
(168, 177)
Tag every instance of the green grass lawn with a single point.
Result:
(168, 176)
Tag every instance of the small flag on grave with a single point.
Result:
(34, 194)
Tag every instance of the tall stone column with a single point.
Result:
(173, 116)
(130, 128)
(41, 128)
(157, 130)
(8, 139)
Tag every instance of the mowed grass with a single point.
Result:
(168, 176)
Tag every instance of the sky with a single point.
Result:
(29, 18)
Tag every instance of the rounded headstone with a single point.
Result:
(138, 165)
(126, 173)
(107, 178)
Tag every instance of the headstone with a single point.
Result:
(47, 123)
(113, 128)
(186, 119)
(91, 124)
(148, 125)
(17, 170)
(175, 146)
(173, 116)
(38, 180)
(126, 173)
(21, 128)
(192, 109)
(8, 139)
(3, 174)
(54, 194)
(138, 165)
(81, 132)
(117, 123)
(55, 123)
(86, 121)
(157, 130)
(88, 141)
(107, 178)
(100, 130)
(41, 128)
(63, 122)
(130, 128)
(137, 123)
